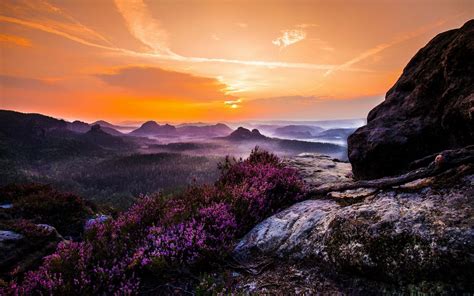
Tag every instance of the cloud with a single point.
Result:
(380, 47)
(151, 82)
(233, 104)
(24, 83)
(289, 37)
(143, 26)
(242, 25)
(44, 16)
(15, 40)
(308, 25)
(49, 29)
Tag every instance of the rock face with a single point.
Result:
(430, 108)
(317, 169)
(19, 253)
(422, 230)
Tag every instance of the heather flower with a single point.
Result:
(159, 234)
(177, 244)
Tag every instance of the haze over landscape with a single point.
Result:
(205, 147)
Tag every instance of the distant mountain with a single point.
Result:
(336, 133)
(208, 131)
(298, 131)
(254, 137)
(192, 124)
(107, 125)
(78, 126)
(151, 128)
(97, 135)
(82, 127)
(243, 134)
(20, 125)
(111, 131)
(35, 136)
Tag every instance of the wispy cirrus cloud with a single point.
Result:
(143, 27)
(44, 16)
(20, 41)
(289, 37)
(383, 46)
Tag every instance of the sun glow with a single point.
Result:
(65, 57)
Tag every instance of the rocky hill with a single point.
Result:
(151, 128)
(254, 138)
(429, 109)
(409, 229)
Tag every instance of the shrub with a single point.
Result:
(260, 186)
(158, 235)
(41, 204)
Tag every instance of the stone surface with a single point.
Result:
(430, 108)
(396, 235)
(19, 252)
(318, 169)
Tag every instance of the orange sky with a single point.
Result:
(211, 60)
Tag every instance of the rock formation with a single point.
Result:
(243, 134)
(18, 253)
(429, 109)
(417, 231)
(410, 226)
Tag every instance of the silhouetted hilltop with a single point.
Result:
(243, 134)
(19, 125)
(151, 128)
(215, 130)
(78, 126)
(83, 127)
(35, 136)
(98, 136)
(104, 124)
(298, 131)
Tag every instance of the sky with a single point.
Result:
(177, 61)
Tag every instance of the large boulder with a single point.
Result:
(420, 231)
(430, 108)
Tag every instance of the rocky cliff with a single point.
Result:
(429, 109)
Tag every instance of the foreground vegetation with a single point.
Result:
(191, 232)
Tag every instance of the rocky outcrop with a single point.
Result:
(421, 230)
(151, 128)
(429, 109)
(21, 252)
(243, 134)
(317, 169)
